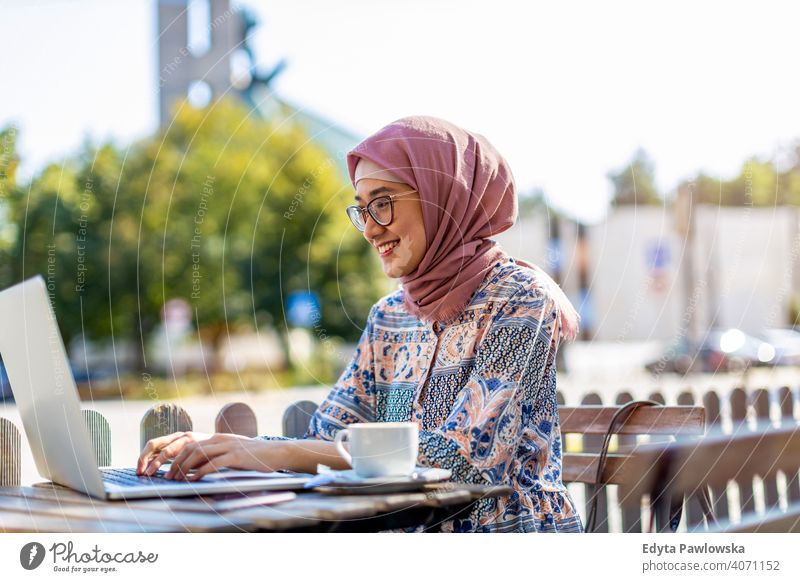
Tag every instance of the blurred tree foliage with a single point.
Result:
(635, 183)
(8, 183)
(758, 183)
(227, 211)
(533, 202)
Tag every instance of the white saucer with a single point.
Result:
(349, 482)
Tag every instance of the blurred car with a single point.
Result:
(786, 343)
(678, 358)
(733, 350)
(81, 375)
(721, 350)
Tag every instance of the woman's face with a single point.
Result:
(400, 245)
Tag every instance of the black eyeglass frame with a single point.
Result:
(351, 210)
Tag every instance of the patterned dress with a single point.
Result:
(482, 389)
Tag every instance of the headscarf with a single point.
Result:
(371, 170)
(467, 194)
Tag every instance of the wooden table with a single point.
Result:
(52, 508)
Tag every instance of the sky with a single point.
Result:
(566, 91)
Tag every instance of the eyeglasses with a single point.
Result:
(381, 210)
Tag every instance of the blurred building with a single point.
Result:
(204, 53)
(749, 259)
(645, 273)
(195, 55)
(641, 275)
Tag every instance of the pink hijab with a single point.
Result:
(467, 194)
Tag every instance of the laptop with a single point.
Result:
(47, 399)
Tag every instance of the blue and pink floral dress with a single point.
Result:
(482, 389)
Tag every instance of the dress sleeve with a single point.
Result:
(479, 439)
(352, 398)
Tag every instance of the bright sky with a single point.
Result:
(566, 91)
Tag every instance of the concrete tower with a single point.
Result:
(196, 63)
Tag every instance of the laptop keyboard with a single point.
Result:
(129, 478)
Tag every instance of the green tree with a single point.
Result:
(635, 183)
(533, 202)
(228, 212)
(8, 183)
(758, 183)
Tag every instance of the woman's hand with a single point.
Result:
(199, 458)
(159, 450)
(196, 454)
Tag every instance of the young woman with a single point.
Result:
(465, 348)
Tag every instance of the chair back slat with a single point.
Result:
(736, 457)
(713, 406)
(761, 407)
(100, 435)
(738, 403)
(719, 495)
(786, 401)
(669, 470)
(657, 396)
(582, 468)
(592, 443)
(297, 417)
(693, 510)
(666, 420)
(631, 516)
(237, 418)
(163, 419)
(774, 521)
(10, 454)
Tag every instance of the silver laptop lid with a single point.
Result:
(44, 389)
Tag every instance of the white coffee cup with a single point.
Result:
(380, 449)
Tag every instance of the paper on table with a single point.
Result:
(229, 474)
(235, 503)
(235, 474)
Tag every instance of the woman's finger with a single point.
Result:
(168, 452)
(179, 456)
(193, 456)
(222, 461)
(153, 447)
(156, 444)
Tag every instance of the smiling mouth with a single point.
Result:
(385, 249)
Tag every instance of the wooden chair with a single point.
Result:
(10, 454)
(100, 433)
(592, 443)
(163, 419)
(593, 421)
(630, 516)
(688, 468)
(786, 404)
(11, 446)
(296, 418)
(742, 407)
(237, 418)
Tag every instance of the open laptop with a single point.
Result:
(48, 403)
